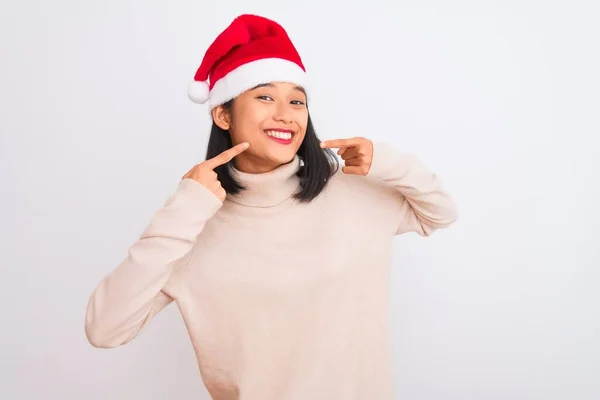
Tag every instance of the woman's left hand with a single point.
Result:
(357, 152)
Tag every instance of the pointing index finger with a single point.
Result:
(339, 143)
(227, 155)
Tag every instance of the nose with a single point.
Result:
(283, 113)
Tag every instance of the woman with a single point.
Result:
(276, 258)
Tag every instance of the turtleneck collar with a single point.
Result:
(269, 188)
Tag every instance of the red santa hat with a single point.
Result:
(252, 50)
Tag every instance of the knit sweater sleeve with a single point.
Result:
(423, 203)
(135, 291)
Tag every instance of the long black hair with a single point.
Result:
(319, 164)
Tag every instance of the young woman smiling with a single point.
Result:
(276, 258)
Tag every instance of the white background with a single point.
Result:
(501, 99)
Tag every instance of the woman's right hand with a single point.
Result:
(204, 173)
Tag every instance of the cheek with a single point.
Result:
(303, 123)
(301, 117)
(248, 128)
(301, 135)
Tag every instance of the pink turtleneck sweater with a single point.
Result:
(282, 301)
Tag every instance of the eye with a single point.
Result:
(266, 98)
(297, 102)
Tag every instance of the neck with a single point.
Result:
(268, 188)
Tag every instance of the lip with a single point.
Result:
(280, 130)
(278, 140)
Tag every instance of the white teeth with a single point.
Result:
(280, 135)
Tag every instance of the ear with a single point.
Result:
(221, 117)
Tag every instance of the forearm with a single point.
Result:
(126, 299)
(424, 203)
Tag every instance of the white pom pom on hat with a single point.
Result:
(252, 50)
(198, 92)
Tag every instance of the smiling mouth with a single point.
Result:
(280, 136)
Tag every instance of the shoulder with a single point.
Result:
(359, 188)
(363, 202)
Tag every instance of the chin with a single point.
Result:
(276, 152)
(282, 157)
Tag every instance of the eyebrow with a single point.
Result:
(299, 88)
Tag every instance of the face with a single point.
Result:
(272, 118)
